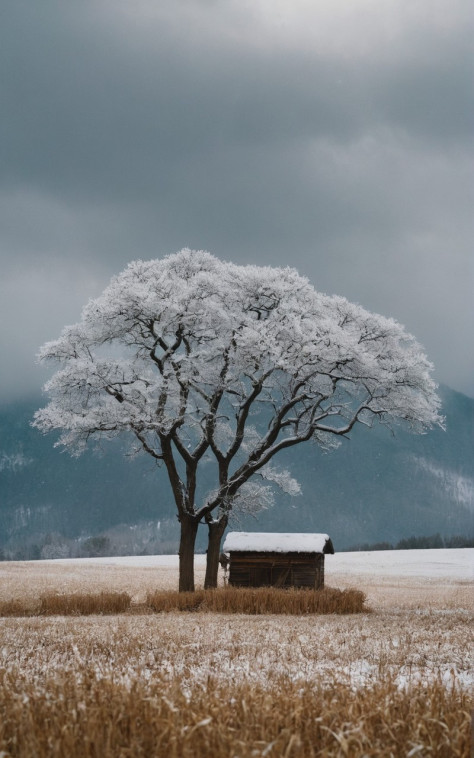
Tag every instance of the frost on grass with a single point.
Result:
(420, 630)
(393, 682)
(356, 650)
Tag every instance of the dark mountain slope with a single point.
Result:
(375, 487)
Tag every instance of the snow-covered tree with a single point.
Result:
(203, 362)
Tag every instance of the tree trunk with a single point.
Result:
(216, 530)
(189, 527)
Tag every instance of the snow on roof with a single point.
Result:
(275, 542)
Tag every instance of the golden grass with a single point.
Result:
(14, 608)
(389, 683)
(253, 601)
(28, 580)
(84, 716)
(84, 604)
(77, 604)
(355, 648)
(262, 600)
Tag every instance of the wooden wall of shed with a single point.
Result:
(255, 569)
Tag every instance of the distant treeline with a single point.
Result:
(144, 538)
(434, 541)
(158, 538)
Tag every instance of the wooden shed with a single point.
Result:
(259, 559)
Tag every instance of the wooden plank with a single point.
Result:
(276, 569)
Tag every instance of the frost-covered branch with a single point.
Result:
(204, 361)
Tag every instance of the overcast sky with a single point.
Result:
(332, 135)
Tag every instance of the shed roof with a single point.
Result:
(276, 542)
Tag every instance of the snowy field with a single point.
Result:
(376, 677)
(420, 627)
(417, 633)
(430, 564)
(403, 579)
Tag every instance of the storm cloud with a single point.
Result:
(333, 137)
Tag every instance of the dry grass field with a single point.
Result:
(392, 682)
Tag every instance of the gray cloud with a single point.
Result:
(333, 140)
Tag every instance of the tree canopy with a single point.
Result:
(204, 362)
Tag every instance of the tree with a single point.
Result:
(206, 363)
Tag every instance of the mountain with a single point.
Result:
(383, 487)
(375, 487)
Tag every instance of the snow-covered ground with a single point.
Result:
(394, 579)
(420, 627)
(448, 564)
